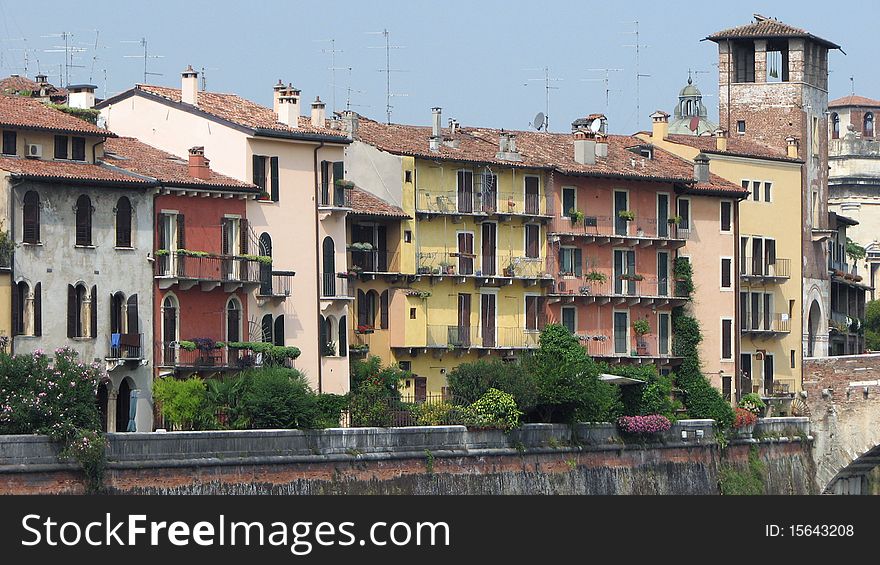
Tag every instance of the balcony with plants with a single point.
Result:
(366, 259)
(207, 355)
(603, 286)
(336, 196)
(186, 268)
(627, 227)
(477, 337)
(502, 205)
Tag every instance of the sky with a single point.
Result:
(482, 62)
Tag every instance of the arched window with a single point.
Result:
(31, 218)
(266, 270)
(343, 337)
(83, 220)
(170, 336)
(82, 311)
(835, 126)
(20, 295)
(266, 326)
(123, 222)
(118, 308)
(868, 129)
(233, 320)
(330, 333)
(279, 330)
(329, 270)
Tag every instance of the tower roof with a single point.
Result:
(768, 28)
(690, 89)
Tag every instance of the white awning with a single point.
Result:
(619, 380)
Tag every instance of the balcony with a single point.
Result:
(765, 323)
(337, 197)
(608, 230)
(491, 270)
(477, 337)
(274, 285)
(334, 287)
(631, 290)
(758, 270)
(779, 388)
(639, 348)
(208, 271)
(170, 354)
(373, 261)
(482, 204)
(845, 273)
(126, 347)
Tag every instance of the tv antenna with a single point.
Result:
(145, 56)
(388, 70)
(607, 81)
(349, 91)
(332, 68)
(548, 86)
(539, 121)
(639, 75)
(68, 51)
(204, 76)
(852, 85)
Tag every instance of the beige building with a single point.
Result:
(299, 220)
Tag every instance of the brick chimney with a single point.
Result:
(720, 139)
(277, 90)
(288, 107)
(659, 125)
(189, 86)
(199, 166)
(701, 168)
(318, 113)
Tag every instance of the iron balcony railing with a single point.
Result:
(759, 267)
(466, 337)
(765, 322)
(373, 261)
(170, 354)
(617, 286)
(275, 284)
(625, 345)
(609, 226)
(334, 286)
(126, 346)
(777, 387)
(472, 264)
(482, 203)
(214, 268)
(335, 196)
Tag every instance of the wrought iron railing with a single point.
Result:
(590, 225)
(126, 346)
(217, 268)
(759, 267)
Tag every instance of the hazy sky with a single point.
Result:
(475, 59)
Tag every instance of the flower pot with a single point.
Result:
(745, 432)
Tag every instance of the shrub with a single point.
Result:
(744, 418)
(469, 381)
(330, 407)
(753, 403)
(650, 424)
(89, 449)
(278, 398)
(436, 413)
(497, 407)
(185, 403)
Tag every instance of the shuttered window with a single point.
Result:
(259, 174)
(266, 326)
(531, 312)
(38, 309)
(275, 186)
(61, 147)
(78, 149)
(726, 216)
(279, 330)
(131, 315)
(383, 310)
(123, 222)
(726, 272)
(726, 339)
(83, 220)
(533, 232)
(10, 142)
(31, 218)
(343, 336)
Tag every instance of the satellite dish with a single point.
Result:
(596, 125)
(538, 123)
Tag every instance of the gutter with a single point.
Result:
(318, 263)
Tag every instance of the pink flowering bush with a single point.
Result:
(651, 424)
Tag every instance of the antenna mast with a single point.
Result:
(146, 56)
(638, 46)
(332, 68)
(548, 86)
(68, 51)
(388, 70)
(607, 82)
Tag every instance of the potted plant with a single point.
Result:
(744, 422)
(576, 216)
(627, 215)
(510, 270)
(365, 329)
(753, 403)
(673, 220)
(641, 327)
(636, 277)
(264, 196)
(344, 184)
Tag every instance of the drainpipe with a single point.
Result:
(737, 319)
(11, 208)
(318, 262)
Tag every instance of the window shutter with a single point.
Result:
(94, 320)
(71, 311)
(560, 256)
(243, 227)
(31, 217)
(131, 311)
(383, 310)
(361, 308)
(322, 334)
(38, 309)
(279, 330)
(181, 232)
(16, 311)
(160, 229)
(224, 235)
(343, 336)
(325, 182)
(578, 262)
(273, 165)
(259, 172)
(266, 326)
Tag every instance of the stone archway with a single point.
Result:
(814, 324)
(123, 404)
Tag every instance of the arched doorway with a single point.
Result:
(265, 269)
(813, 328)
(102, 404)
(123, 405)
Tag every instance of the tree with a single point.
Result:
(470, 381)
(855, 251)
(872, 325)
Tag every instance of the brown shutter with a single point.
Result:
(343, 336)
(383, 310)
(16, 311)
(160, 225)
(273, 166)
(361, 308)
(181, 232)
(224, 236)
(243, 225)
(279, 330)
(94, 321)
(131, 311)
(38, 309)
(71, 311)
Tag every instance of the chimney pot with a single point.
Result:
(601, 146)
(277, 90)
(436, 120)
(793, 147)
(701, 168)
(584, 148)
(720, 139)
(350, 123)
(659, 125)
(189, 87)
(199, 165)
(288, 107)
(318, 113)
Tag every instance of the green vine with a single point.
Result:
(749, 481)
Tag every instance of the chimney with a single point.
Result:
(436, 117)
(503, 143)
(659, 125)
(318, 113)
(81, 95)
(601, 146)
(199, 166)
(511, 143)
(701, 168)
(288, 107)
(189, 86)
(584, 148)
(277, 90)
(350, 123)
(793, 147)
(720, 139)
(41, 78)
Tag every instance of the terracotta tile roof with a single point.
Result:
(240, 111)
(29, 113)
(768, 28)
(142, 159)
(735, 146)
(14, 84)
(364, 203)
(67, 170)
(854, 100)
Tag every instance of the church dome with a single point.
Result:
(690, 90)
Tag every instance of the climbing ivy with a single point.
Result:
(749, 481)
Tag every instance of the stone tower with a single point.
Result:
(773, 90)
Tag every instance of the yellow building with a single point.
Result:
(448, 248)
(769, 351)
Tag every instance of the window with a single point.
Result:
(123, 222)
(407, 176)
(726, 339)
(31, 218)
(684, 210)
(343, 337)
(777, 61)
(768, 187)
(466, 253)
(744, 61)
(407, 236)
(233, 320)
(533, 204)
(756, 190)
(259, 173)
(266, 327)
(82, 311)
(412, 313)
(265, 245)
(835, 126)
(662, 273)
(26, 309)
(868, 125)
(726, 272)
(533, 232)
(83, 221)
(814, 140)
(61, 147)
(279, 330)
(532, 313)
(746, 184)
(465, 191)
(10, 143)
(621, 333)
(726, 216)
(367, 308)
(663, 332)
(274, 183)
(383, 310)
(791, 352)
(570, 261)
(569, 318)
(331, 194)
(78, 148)
(268, 181)
(740, 126)
(329, 267)
(569, 201)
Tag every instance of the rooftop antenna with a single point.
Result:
(606, 80)
(68, 51)
(95, 56)
(145, 56)
(852, 86)
(332, 68)
(638, 47)
(349, 91)
(204, 77)
(548, 86)
(388, 70)
(539, 121)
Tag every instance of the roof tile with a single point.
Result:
(364, 203)
(854, 100)
(29, 113)
(768, 27)
(66, 170)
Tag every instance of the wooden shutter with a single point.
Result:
(343, 336)
(72, 330)
(243, 236)
(325, 182)
(259, 173)
(160, 230)
(131, 314)
(38, 309)
(361, 308)
(17, 321)
(531, 312)
(279, 330)
(266, 326)
(273, 165)
(338, 170)
(224, 236)
(383, 310)
(578, 262)
(123, 223)
(31, 218)
(181, 232)
(94, 321)
(322, 334)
